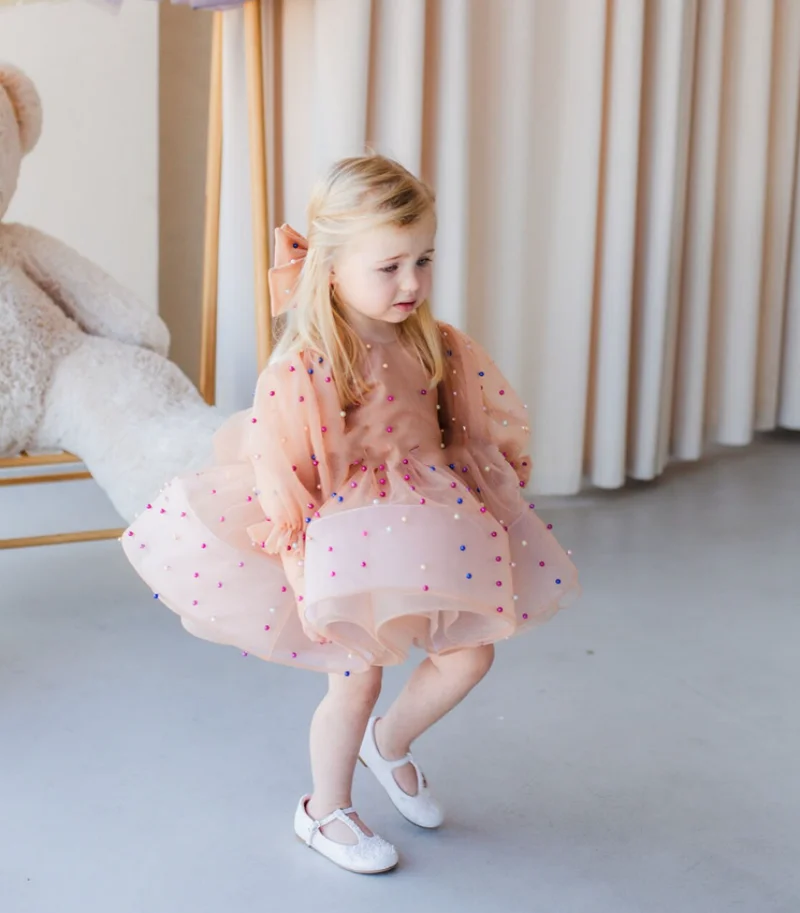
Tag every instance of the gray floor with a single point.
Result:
(639, 753)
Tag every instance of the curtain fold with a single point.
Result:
(616, 182)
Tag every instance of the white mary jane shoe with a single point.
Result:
(421, 809)
(370, 856)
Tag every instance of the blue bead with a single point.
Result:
(481, 374)
(558, 581)
(310, 370)
(308, 519)
(433, 469)
(463, 548)
(460, 501)
(347, 674)
(295, 245)
(452, 465)
(469, 576)
(340, 499)
(155, 595)
(321, 359)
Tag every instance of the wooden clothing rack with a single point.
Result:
(208, 353)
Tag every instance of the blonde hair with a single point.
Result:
(358, 194)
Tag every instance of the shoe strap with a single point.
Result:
(338, 814)
(393, 765)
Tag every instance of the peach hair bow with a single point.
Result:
(290, 253)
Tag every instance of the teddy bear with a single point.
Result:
(83, 362)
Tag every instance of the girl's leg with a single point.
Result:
(436, 686)
(336, 732)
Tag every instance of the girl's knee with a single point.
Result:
(360, 686)
(481, 660)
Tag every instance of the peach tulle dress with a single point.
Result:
(400, 523)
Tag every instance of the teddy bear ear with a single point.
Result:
(26, 104)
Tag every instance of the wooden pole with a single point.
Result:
(258, 176)
(208, 339)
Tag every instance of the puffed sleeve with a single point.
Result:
(284, 426)
(506, 415)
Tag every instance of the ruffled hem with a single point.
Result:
(379, 580)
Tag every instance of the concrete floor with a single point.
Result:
(639, 754)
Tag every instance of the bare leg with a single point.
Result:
(336, 732)
(436, 686)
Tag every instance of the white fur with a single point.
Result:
(82, 360)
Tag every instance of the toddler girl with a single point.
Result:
(370, 501)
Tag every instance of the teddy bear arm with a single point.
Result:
(98, 303)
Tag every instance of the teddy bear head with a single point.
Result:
(20, 126)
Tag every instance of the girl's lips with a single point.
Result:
(406, 305)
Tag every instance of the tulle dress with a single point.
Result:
(397, 523)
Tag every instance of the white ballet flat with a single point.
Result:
(370, 856)
(421, 809)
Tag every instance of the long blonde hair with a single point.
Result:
(358, 194)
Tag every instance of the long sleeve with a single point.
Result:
(506, 417)
(283, 424)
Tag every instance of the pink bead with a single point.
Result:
(365, 533)
(499, 583)
(333, 573)
(194, 602)
(213, 491)
(498, 558)
(294, 469)
(425, 588)
(483, 510)
(324, 429)
(302, 399)
(541, 564)
(241, 564)
(131, 533)
(254, 421)
(502, 393)
(363, 564)
(283, 589)
(383, 494)
(381, 467)
(330, 548)
(294, 656)
(390, 398)
(142, 545)
(422, 500)
(291, 367)
(381, 481)
(549, 525)
(183, 513)
(149, 506)
(405, 462)
(222, 519)
(219, 585)
(389, 429)
(499, 608)
(424, 392)
(524, 616)
(363, 468)
(494, 535)
(204, 545)
(272, 393)
(266, 627)
(327, 380)
(452, 484)
(354, 484)
(407, 478)
(196, 574)
(311, 507)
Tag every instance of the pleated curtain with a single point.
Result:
(616, 184)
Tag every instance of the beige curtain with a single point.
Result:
(616, 184)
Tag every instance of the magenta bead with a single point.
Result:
(363, 564)
(498, 558)
(390, 398)
(294, 656)
(266, 627)
(425, 588)
(541, 564)
(499, 608)
(194, 602)
(524, 616)
(196, 574)
(422, 500)
(254, 421)
(499, 583)
(389, 429)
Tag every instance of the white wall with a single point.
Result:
(93, 179)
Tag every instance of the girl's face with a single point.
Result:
(383, 276)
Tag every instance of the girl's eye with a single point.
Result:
(389, 269)
(423, 261)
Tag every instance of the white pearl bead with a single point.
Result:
(423, 567)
